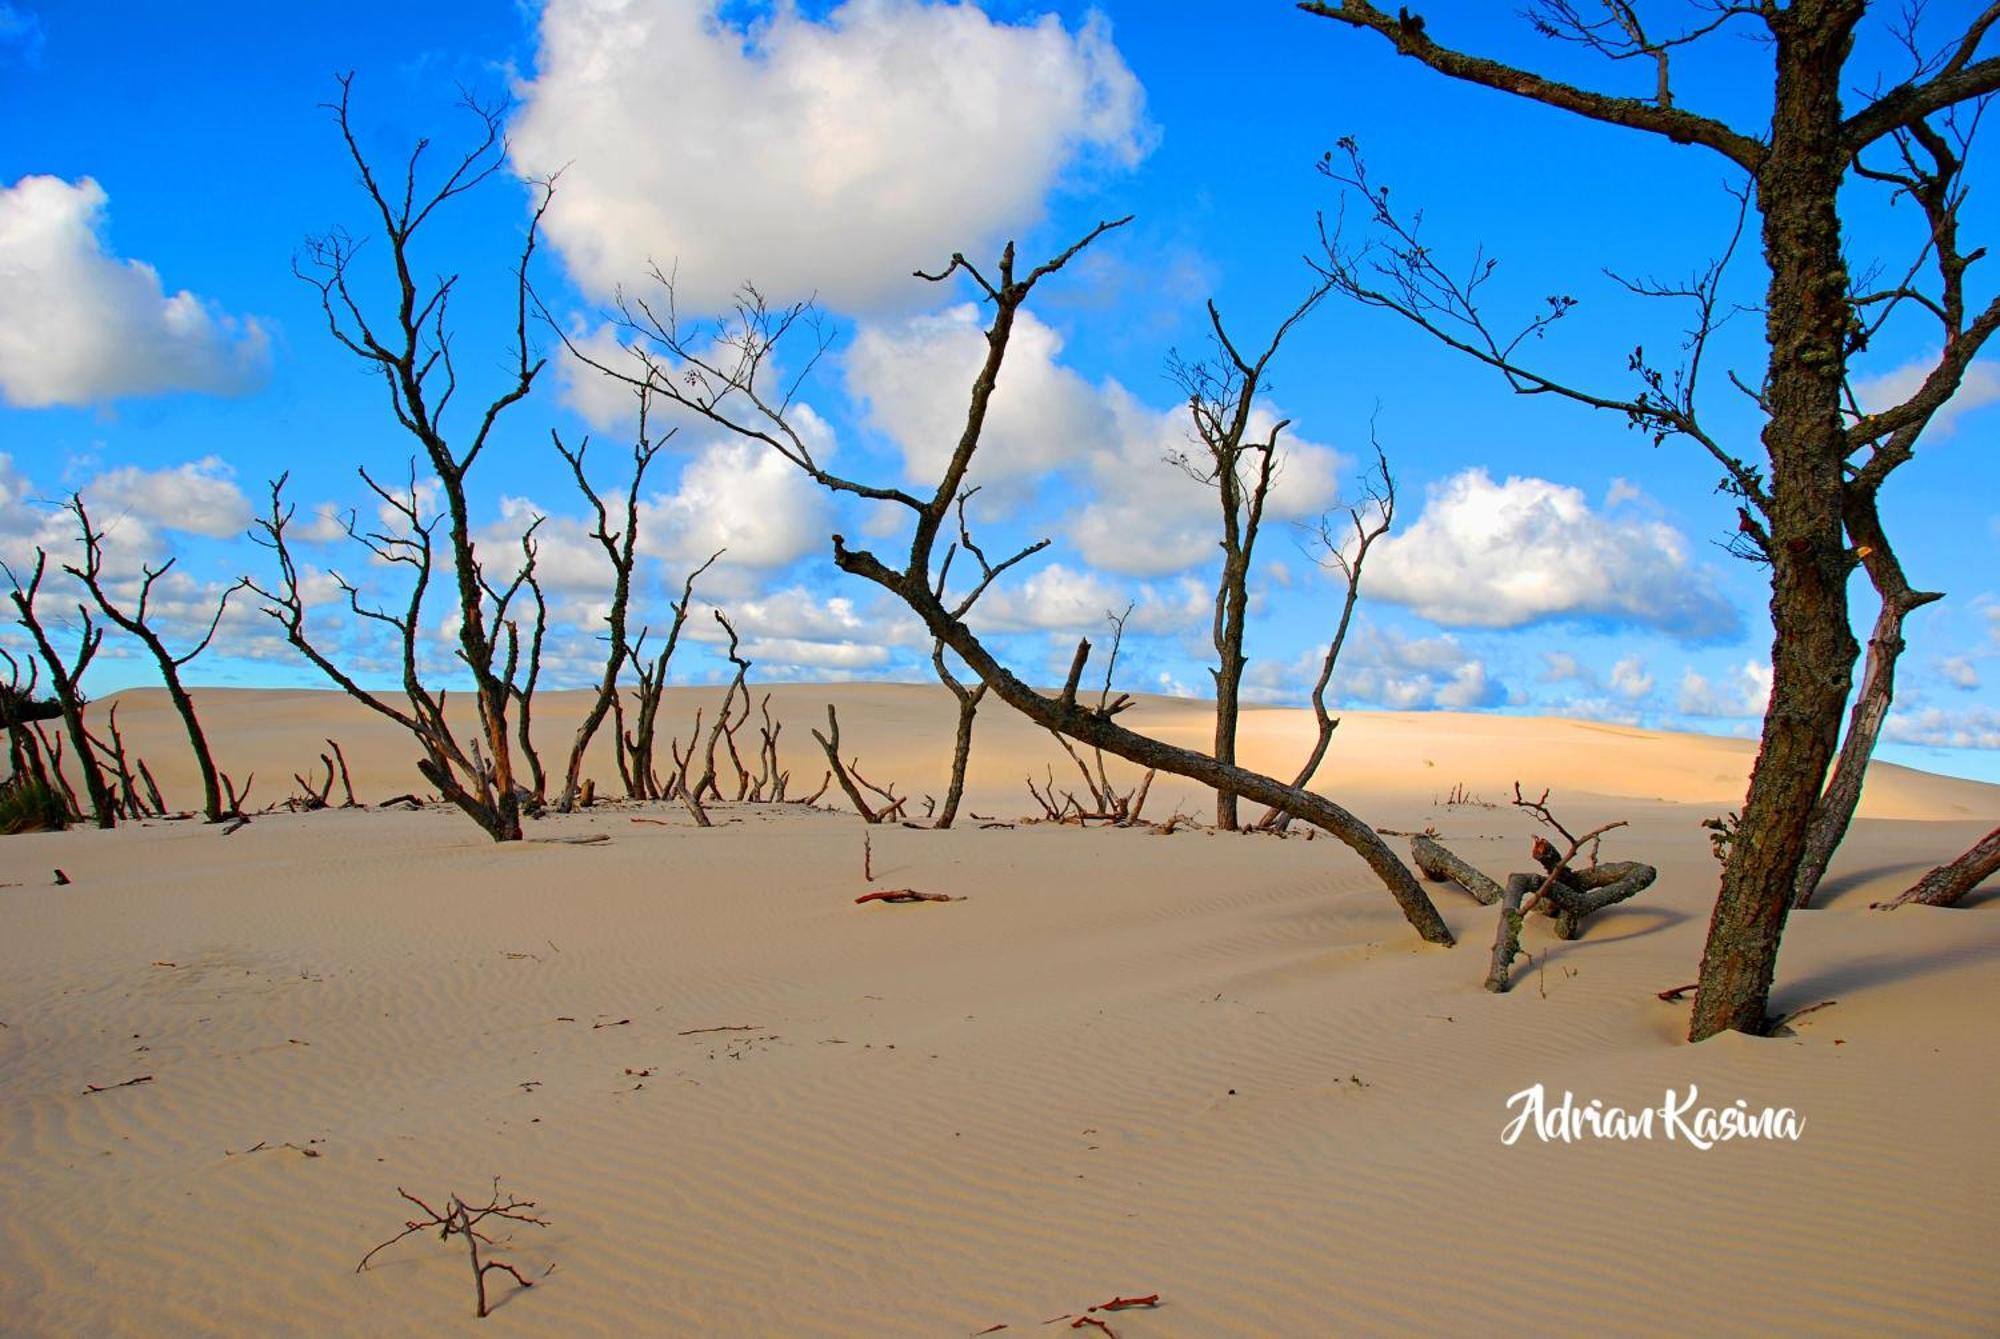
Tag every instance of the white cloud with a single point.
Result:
(915, 379)
(1149, 518)
(1743, 693)
(818, 655)
(1560, 666)
(739, 496)
(200, 498)
(79, 326)
(1381, 667)
(1629, 678)
(1959, 672)
(1502, 555)
(828, 156)
(1979, 388)
(1972, 728)
(1144, 516)
(1063, 599)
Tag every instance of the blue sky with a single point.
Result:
(162, 164)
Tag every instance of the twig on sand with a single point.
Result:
(905, 895)
(464, 1219)
(727, 1027)
(1675, 995)
(1786, 1020)
(90, 1088)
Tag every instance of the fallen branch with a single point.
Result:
(905, 895)
(1441, 866)
(105, 1088)
(463, 1219)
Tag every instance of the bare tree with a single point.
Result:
(636, 746)
(967, 697)
(65, 677)
(411, 350)
(135, 623)
(621, 547)
(731, 387)
(1820, 448)
(1221, 395)
(1370, 519)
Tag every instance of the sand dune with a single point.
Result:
(1216, 1068)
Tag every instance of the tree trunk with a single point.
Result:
(1231, 609)
(1813, 653)
(1946, 884)
(1835, 809)
(961, 750)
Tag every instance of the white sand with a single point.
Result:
(947, 1117)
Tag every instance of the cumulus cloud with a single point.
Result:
(827, 156)
(1959, 672)
(1938, 727)
(1149, 518)
(1500, 555)
(79, 326)
(1381, 667)
(1629, 678)
(914, 378)
(1561, 666)
(1144, 516)
(1741, 693)
(199, 498)
(742, 497)
(1979, 388)
(1064, 599)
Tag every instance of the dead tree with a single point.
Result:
(411, 350)
(1945, 885)
(848, 774)
(1371, 519)
(635, 747)
(461, 1219)
(729, 718)
(731, 389)
(65, 677)
(621, 547)
(1820, 448)
(135, 622)
(21, 714)
(522, 689)
(967, 697)
(1220, 397)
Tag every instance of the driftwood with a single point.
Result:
(1946, 884)
(1441, 866)
(1565, 895)
(849, 776)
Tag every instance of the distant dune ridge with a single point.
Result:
(1216, 1068)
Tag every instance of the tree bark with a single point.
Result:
(1835, 810)
(1946, 884)
(1813, 652)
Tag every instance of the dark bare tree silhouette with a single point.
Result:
(135, 623)
(1369, 520)
(621, 547)
(65, 677)
(411, 350)
(1220, 394)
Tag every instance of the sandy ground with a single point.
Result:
(1216, 1068)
